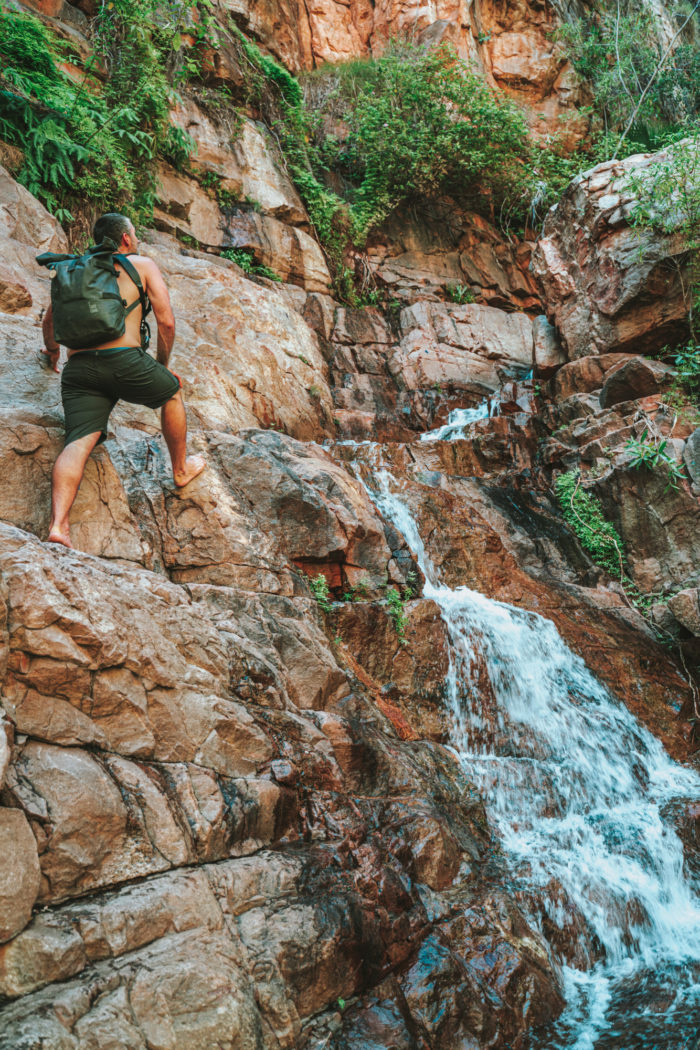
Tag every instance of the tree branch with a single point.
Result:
(652, 78)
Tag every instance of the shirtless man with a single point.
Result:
(94, 380)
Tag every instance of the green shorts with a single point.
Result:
(92, 381)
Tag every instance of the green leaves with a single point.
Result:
(421, 124)
(583, 512)
(617, 51)
(667, 201)
(397, 612)
(319, 588)
(651, 454)
(80, 146)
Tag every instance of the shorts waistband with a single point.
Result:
(102, 353)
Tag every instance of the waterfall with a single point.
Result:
(458, 420)
(577, 791)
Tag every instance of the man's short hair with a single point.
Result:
(111, 225)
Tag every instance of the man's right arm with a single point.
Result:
(157, 292)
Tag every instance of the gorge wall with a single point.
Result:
(230, 815)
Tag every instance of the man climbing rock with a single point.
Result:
(105, 292)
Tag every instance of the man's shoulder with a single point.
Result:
(146, 267)
(142, 263)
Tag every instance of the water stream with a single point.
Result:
(458, 420)
(578, 792)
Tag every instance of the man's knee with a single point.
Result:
(175, 399)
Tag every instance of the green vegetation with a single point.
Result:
(652, 454)
(687, 361)
(397, 612)
(319, 588)
(244, 258)
(639, 88)
(583, 512)
(460, 294)
(79, 145)
(359, 592)
(419, 123)
(667, 196)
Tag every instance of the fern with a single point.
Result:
(81, 146)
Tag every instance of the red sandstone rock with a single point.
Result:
(609, 286)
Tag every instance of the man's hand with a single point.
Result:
(53, 356)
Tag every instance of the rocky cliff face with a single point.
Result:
(230, 817)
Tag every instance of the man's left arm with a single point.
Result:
(160, 301)
(52, 349)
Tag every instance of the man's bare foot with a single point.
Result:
(57, 536)
(194, 465)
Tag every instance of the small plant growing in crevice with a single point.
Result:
(397, 612)
(245, 259)
(651, 454)
(359, 592)
(460, 294)
(411, 585)
(372, 297)
(318, 585)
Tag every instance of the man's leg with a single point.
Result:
(174, 422)
(67, 475)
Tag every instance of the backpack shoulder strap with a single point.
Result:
(133, 273)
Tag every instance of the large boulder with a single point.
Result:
(427, 254)
(19, 872)
(469, 347)
(26, 229)
(245, 165)
(634, 379)
(610, 286)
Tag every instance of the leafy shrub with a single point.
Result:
(319, 588)
(80, 146)
(617, 49)
(583, 512)
(651, 454)
(687, 361)
(421, 124)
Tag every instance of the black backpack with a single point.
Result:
(87, 306)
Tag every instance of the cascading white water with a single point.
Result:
(575, 788)
(458, 421)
